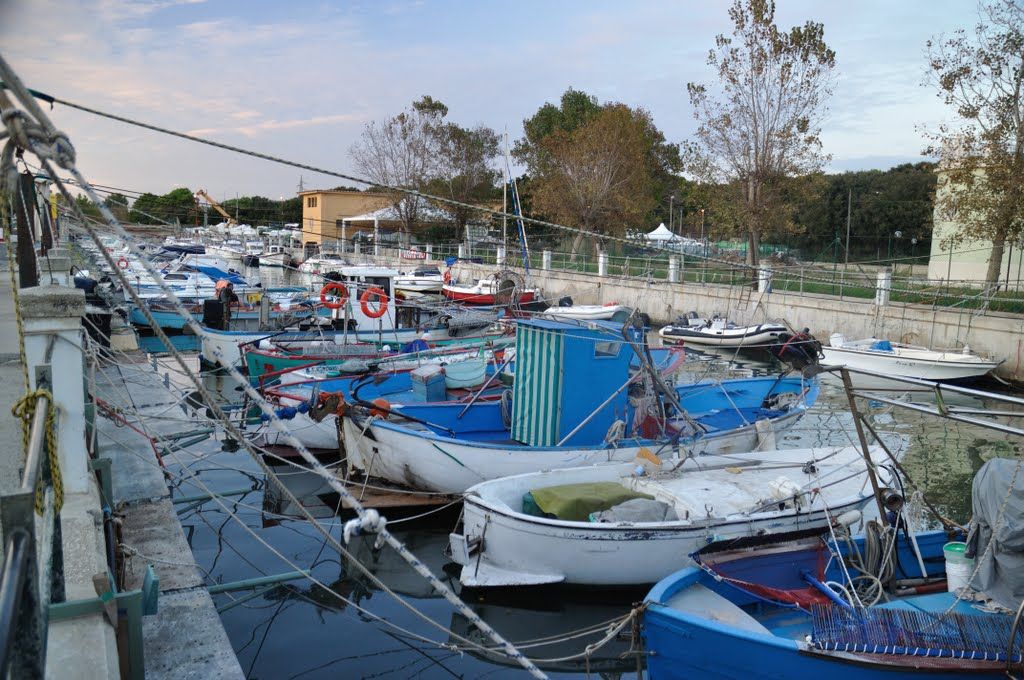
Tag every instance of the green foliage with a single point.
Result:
(177, 204)
(88, 207)
(584, 175)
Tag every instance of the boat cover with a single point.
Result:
(1000, 576)
(575, 502)
(637, 510)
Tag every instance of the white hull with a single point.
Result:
(910, 363)
(275, 260)
(521, 549)
(442, 464)
(586, 312)
(419, 284)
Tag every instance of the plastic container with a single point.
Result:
(958, 565)
(462, 374)
(428, 383)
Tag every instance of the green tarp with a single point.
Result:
(575, 502)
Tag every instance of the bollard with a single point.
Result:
(602, 264)
(51, 312)
(462, 250)
(430, 252)
(673, 270)
(545, 260)
(499, 256)
(764, 279)
(883, 287)
(357, 247)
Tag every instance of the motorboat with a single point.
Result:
(323, 264)
(719, 332)
(910, 361)
(608, 312)
(635, 523)
(427, 279)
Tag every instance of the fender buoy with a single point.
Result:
(382, 298)
(342, 295)
(448, 276)
(383, 407)
(122, 263)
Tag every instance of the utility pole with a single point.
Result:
(849, 208)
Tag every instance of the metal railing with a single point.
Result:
(33, 571)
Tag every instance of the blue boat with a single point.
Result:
(575, 402)
(877, 605)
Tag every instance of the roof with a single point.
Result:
(342, 192)
(555, 325)
(662, 233)
(427, 212)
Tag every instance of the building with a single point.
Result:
(323, 211)
(967, 262)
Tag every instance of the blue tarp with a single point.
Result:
(217, 274)
(882, 346)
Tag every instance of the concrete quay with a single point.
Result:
(185, 638)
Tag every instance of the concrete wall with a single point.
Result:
(998, 335)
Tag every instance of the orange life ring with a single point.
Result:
(382, 297)
(330, 288)
(122, 263)
(448, 276)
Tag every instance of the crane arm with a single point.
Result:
(201, 193)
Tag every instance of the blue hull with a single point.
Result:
(684, 645)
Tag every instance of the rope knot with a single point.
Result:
(25, 410)
(371, 522)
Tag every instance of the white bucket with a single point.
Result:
(958, 566)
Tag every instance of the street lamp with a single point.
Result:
(897, 234)
(671, 214)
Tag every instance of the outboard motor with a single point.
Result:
(213, 314)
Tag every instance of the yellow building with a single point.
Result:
(323, 211)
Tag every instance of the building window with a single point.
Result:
(311, 201)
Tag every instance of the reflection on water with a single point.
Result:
(389, 623)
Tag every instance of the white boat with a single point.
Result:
(718, 332)
(608, 312)
(910, 361)
(421, 280)
(275, 256)
(323, 263)
(632, 540)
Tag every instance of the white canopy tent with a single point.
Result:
(662, 235)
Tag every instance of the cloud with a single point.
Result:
(270, 125)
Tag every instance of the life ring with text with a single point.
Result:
(337, 291)
(448, 276)
(382, 300)
(122, 262)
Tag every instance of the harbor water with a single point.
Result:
(391, 624)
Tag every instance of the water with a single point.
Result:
(353, 627)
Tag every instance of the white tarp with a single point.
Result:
(662, 233)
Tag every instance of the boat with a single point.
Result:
(636, 523)
(910, 361)
(487, 292)
(313, 407)
(574, 402)
(287, 306)
(719, 332)
(275, 256)
(426, 279)
(566, 310)
(323, 263)
(893, 602)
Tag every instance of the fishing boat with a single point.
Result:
(891, 603)
(636, 523)
(287, 306)
(426, 279)
(719, 332)
(911, 361)
(574, 402)
(487, 292)
(313, 407)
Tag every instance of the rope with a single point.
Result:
(65, 158)
(25, 409)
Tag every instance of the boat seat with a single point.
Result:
(703, 603)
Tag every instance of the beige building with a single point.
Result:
(323, 211)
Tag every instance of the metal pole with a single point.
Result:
(849, 209)
(28, 272)
(14, 575)
(848, 386)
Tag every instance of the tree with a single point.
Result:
(177, 204)
(597, 177)
(981, 76)
(763, 125)
(118, 205)
(402, 152)
(550, 128)
(464, 172)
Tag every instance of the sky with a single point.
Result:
(300, 80)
